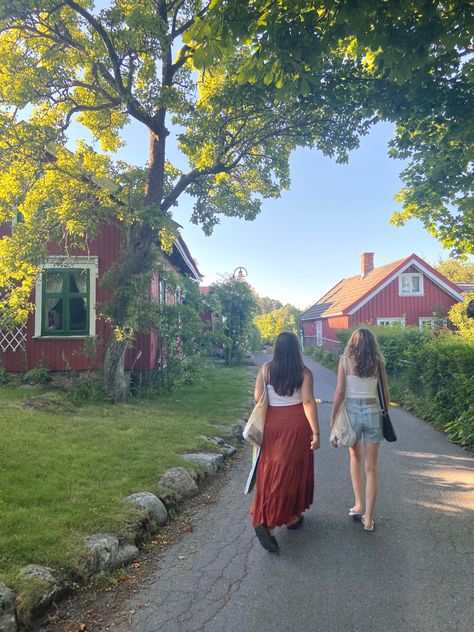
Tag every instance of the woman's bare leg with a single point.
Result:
(355, 454)
(371, 481)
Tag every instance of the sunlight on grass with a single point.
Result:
(63, 476)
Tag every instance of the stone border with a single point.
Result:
(104, 551)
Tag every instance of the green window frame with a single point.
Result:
(66, 307)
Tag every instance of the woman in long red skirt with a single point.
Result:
(285, 471)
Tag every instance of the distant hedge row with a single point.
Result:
(431, 373)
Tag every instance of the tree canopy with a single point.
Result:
(270, 324)
(410, 63)
(456, 270)
(244, 84)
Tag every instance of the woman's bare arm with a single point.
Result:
(259, 384)
(310, 409)
(339, 392)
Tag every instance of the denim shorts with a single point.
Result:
(366, 420)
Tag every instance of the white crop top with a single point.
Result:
(359, 387)
(283, 400)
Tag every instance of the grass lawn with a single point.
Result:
(63, 475)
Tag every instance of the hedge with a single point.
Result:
(431, 373)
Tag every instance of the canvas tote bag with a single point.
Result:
(253, 431)
(342, 433)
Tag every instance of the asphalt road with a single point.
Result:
(413, 573)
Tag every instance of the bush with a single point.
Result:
(39, 376)
(326, 358)
(3, 376)
(86, 387)
(176, 374)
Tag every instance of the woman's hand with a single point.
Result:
(315, 443)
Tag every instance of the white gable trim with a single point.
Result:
(410, 262)
(189, 263)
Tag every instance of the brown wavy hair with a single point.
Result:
(363, 348)
(286, 368)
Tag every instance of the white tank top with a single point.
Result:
(359, 387)
(283, 400)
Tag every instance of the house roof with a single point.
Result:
(347, 295)
(466, 287)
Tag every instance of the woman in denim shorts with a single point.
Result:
(360, 368)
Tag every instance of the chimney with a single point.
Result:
(366, 263)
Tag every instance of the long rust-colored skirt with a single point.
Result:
(285, 471)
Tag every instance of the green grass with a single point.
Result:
(63, 475)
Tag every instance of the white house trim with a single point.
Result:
(432, 320)
(391, 320)
(409, 263)
(190, 263)
(84, 263)
(421, 284)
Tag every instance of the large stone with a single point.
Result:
(7, 609)
(156, 511)
(102, 549)
(105, 553)
(180, 483)
(126, 554)
(54, 588)
(209, 461)
(225, 448)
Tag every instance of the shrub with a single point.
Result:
(3, 376)
(326, 358)
(86, 387)
(37, 376)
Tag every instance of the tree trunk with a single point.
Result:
(116, 384)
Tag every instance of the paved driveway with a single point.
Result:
(413, 573)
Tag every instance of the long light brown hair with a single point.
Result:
(364, 350)
(286, 368)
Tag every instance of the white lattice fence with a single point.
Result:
(13, 339)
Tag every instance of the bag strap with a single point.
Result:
(380, 393)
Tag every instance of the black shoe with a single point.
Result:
(267, 540)
(297, 524)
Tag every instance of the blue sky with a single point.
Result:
(310, 238)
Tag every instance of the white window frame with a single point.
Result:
(410, 275)
(163, 291)
(432, 320)
(81, 263)
(388, 321)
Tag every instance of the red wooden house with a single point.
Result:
(66, 331)
(408, 291)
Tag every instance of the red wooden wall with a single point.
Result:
(387, 303)
(62, 353)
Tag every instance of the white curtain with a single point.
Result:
(80, 277)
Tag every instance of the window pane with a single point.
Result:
(78, 314)
(54, 314)
(54, 282)
(406, 284)
(415, 283)
(78, 281)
